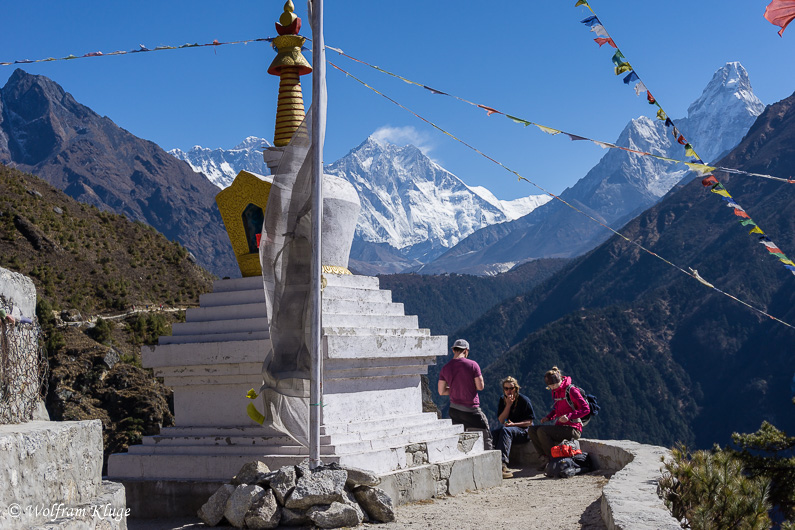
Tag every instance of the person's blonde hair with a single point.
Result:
(553, 377)
(512, 380)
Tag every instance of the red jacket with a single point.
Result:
(562, 407)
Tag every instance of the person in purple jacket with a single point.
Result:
(461, 379)
(568, 425)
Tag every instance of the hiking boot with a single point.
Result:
(506, 473)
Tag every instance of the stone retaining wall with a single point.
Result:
(629, 499)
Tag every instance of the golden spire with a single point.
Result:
(289, 64)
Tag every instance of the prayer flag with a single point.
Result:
(602, 40)
(732, 204)
(632, 76)
(434, 91)
(489, 110)
(590, 21)
(600, 31)
(617, 58)
(668, 122)
(604, 145)
(709, 180)
(748, 222)
(582, 3)
(547, 130)
(681, 140)
(703, 168)
(623, 68)
(780, 13)
(574, 137)
(779, 255)
(520, 121)
(787, 262)
(689, 151)
(721, 192)
(756, 230)
(661, 115)
(650, 98)
(741, 213)
(790, 267)
(640, 87)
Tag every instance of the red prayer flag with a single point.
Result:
(780, 13)
(774, 250)
(681, 140)
(740, 213)
(602, 40)
(651, 99)
(710, 181)
(489, 110)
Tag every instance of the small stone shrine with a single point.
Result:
(373, 359)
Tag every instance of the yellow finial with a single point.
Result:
(288, 16)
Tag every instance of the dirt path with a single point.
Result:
(529, 500)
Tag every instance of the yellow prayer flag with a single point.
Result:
(703, 168)
(722, 192)
(787, 261)
(251, 394)
(547, 130)
(254, 414)
(756, 230)
(661, 115)
(689, 151)
(625, 67)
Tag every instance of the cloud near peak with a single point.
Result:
(403, 136)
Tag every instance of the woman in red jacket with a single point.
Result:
(568, 425)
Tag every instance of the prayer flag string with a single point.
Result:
(621, 65)
(692, 273)
(695, 165)
(141, 48)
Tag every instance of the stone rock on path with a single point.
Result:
(212, 511)
(334, 515)
(376, 503)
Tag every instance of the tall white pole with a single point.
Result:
(318, 136)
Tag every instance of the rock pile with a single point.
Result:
(328, 496)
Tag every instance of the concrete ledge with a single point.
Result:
(629, 499)
(472, 472)
(46, 461)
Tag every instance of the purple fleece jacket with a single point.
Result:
(562, 408)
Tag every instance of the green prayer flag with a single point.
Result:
(520, 121)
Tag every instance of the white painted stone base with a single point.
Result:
(52, 471)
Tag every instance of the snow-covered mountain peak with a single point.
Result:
(221, 166)
(728, 91)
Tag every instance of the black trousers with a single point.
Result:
(473, 420)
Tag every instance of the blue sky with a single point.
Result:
(532, 59)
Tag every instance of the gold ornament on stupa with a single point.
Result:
(289, 65)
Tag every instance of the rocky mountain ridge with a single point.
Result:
(44, 131)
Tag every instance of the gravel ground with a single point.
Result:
(529, 500)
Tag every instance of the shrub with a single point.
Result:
(101, 332)
(708, 489)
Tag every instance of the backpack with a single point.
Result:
(592, 404)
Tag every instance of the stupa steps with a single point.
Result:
(258, 310)
(336, 324)
(254, 296)
(405, 426)
(335, 280)
(180, 337)
(273, 448)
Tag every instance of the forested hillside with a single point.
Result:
(669, 357)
